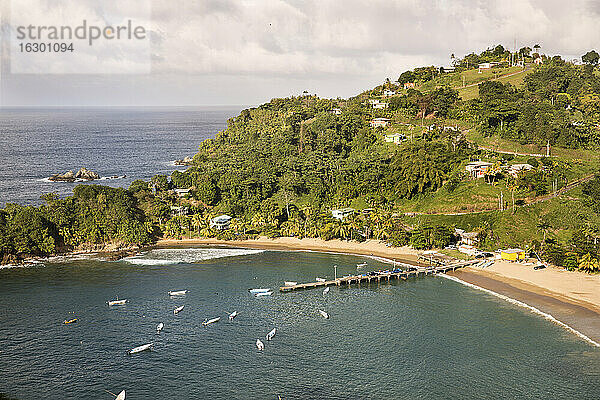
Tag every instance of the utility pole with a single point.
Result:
(548, 148)
(335, 272)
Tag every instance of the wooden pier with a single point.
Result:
(383, 276)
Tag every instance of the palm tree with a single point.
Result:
(544, 226)
(588, 264)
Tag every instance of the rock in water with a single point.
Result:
(84, 173)
(68, 176)
(186, 161)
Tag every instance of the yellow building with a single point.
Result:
(512, 254)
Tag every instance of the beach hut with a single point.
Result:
(221, 222)
(512, 254)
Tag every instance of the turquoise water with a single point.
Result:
(425, 338)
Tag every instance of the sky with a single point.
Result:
(245, 52)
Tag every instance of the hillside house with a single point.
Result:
(178, 211)
(379, 122)
(380, 105)
(342, 213)
(182, 192)
(388, 93)
(221, 222)
(515, 169)
(467, 238)
(373, 101)
(483, 66)
(409, 85)
(336, 111)
(477, 169)
(396, 138)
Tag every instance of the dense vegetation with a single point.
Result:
(280, 168)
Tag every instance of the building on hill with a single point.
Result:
(477, 169)
(486, 65)
(178, 211)
(388, 93)
(380, 105)
(373, 101)
(221, 222)
(396, 138)
(515, 169)
(342, 213)
(182, 192)
(538, 61)
(409, 85)
(467, 238)
(379, 122)
(336, 111)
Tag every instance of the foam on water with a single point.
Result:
(181, 256)
(547, 316)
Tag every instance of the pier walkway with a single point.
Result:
(385, 276)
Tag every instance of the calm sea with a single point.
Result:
(425, 338)
(136, 142)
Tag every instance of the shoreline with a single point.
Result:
(572, 299)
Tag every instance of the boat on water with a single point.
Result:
(326, 290)
(178, 310)
(70, 321)
(324, 314)
(178, 292)
(233, 315)
(261, 294)
(290, 283)
(320, 279)
(254, 291)
(121, 396)
(259, 344)
(211, 321)
(117, 302)
(141, 348)
(361, 265)
(159, 327)
(271, 334)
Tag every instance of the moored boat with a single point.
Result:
(326, 290)
(70, 321)
(211, 321)
(233, 315)
(254, 291)
(361, 265)
(178, 310)
(324, 314)
(320, 279)
(290, 283)
(178, 292)
(141, 348)
(260, 345)
(271, 334)
(261, 294)
(117, 302)
(159, 327)
(121, 396)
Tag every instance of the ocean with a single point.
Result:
(36, 143)
(424, 338)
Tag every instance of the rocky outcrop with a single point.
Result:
(69, 176)
(185, 161)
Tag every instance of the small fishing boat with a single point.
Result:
(116, 302)
(290, 283)
(211, 321)
(254, 291)
(233, 315)
(261, 294)
(326, 290)
(177, 292)
(141, 348)
(71, 321)
(178, 310)
(271, 334)
(259, 344)
(324, 314)
(361, 265)
(320, 279)
(121, 396)
(159, 327)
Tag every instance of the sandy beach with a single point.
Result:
(571, 297)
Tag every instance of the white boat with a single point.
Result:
(178, 310)
(254, 291)
(324, 314)
(177, 292)
(326, 290)
(117, 302)
(121, 396)
(261, 294)
(159, 327)
(233, 315)
(211, 321)
(320, 279)
(290, 283)
(141, 348)
(271, 334)
(361, 265)
(260, 345)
